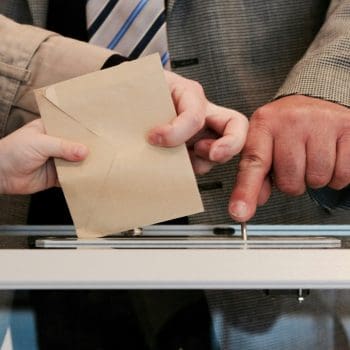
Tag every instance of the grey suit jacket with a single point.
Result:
(245, 53)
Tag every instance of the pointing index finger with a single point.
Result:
(255, 164)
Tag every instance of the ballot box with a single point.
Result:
(177, 257)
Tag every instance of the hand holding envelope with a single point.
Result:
(26, 155)
(213, 134)
(125, 182)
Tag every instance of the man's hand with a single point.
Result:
(25, 164)
(305, 142)
(213, 134)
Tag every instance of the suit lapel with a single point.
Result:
(38, 10)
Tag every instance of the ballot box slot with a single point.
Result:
(187, 242)
(183, 237)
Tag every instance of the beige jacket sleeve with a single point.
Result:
(30, 58)
(324, 71)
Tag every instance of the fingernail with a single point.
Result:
(80, 151)
(155, 139)
(239, 209)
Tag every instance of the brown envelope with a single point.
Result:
(125, 182)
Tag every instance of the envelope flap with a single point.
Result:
(81, 181)
(120, 90)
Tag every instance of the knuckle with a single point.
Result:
(345, 124)
(262, 112)
(320, 166)
(341, 179)
(289, 186)
(317, 180)
(269, 116)
(64, 148)
(344, 139)
(337, 185)
(343, 174)
(197, 86)
(261, 120)
(251, 160)
(197, 122)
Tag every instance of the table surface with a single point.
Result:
(24, 268)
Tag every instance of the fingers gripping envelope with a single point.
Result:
(124, 182)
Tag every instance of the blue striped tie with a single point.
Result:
(133, 28)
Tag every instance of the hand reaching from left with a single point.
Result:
(25, 159)
(213, 134)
